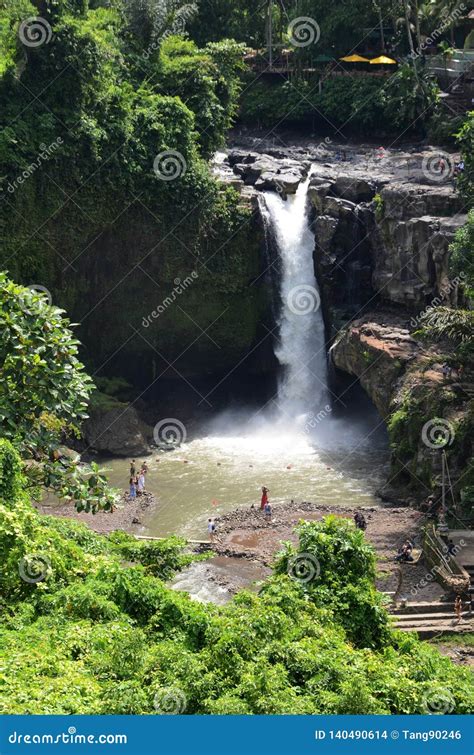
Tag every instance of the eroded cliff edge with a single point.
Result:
(427, 411)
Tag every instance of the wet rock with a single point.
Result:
(317, 191)
(393, 367)
(270, 174)
(118, 431)
(412, 265)
(402, 201)
(284, 183)
(353, 188)
(338, 207)
(241, 156)
(368, 343)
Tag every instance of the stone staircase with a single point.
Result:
(431, 619)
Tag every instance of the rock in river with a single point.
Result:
(118, 431)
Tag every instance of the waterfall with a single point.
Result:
(301, 349)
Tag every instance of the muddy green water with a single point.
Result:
(220, 471)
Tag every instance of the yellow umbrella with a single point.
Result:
(355, 59)
(383, 60)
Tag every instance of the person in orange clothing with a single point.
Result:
(264, 500)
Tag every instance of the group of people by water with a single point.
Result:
(137, 480)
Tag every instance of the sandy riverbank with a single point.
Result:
(246, 533)
(127, 515)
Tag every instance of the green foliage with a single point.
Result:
(408, 96)
(428, 403)
(356, 103)
(207, 81)
(456, 325)
(379, 207)
(344, 576)
(115, 106)
(43, 386)
(10, 472)
(443, 127)
(148, 21)
(465, 140)
(97, 636)
(162, 557)
(44, 392)
(461, 261)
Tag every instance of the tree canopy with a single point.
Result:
(44, 394)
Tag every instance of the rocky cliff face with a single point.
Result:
(383, 239)
(428, 412)
(382, 251)
(383, 220)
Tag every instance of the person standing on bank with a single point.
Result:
(458, 608)
(211, 528)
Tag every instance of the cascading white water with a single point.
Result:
(301, 347)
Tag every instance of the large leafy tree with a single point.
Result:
(44, 393)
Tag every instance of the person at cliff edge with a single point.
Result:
(264, 501)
